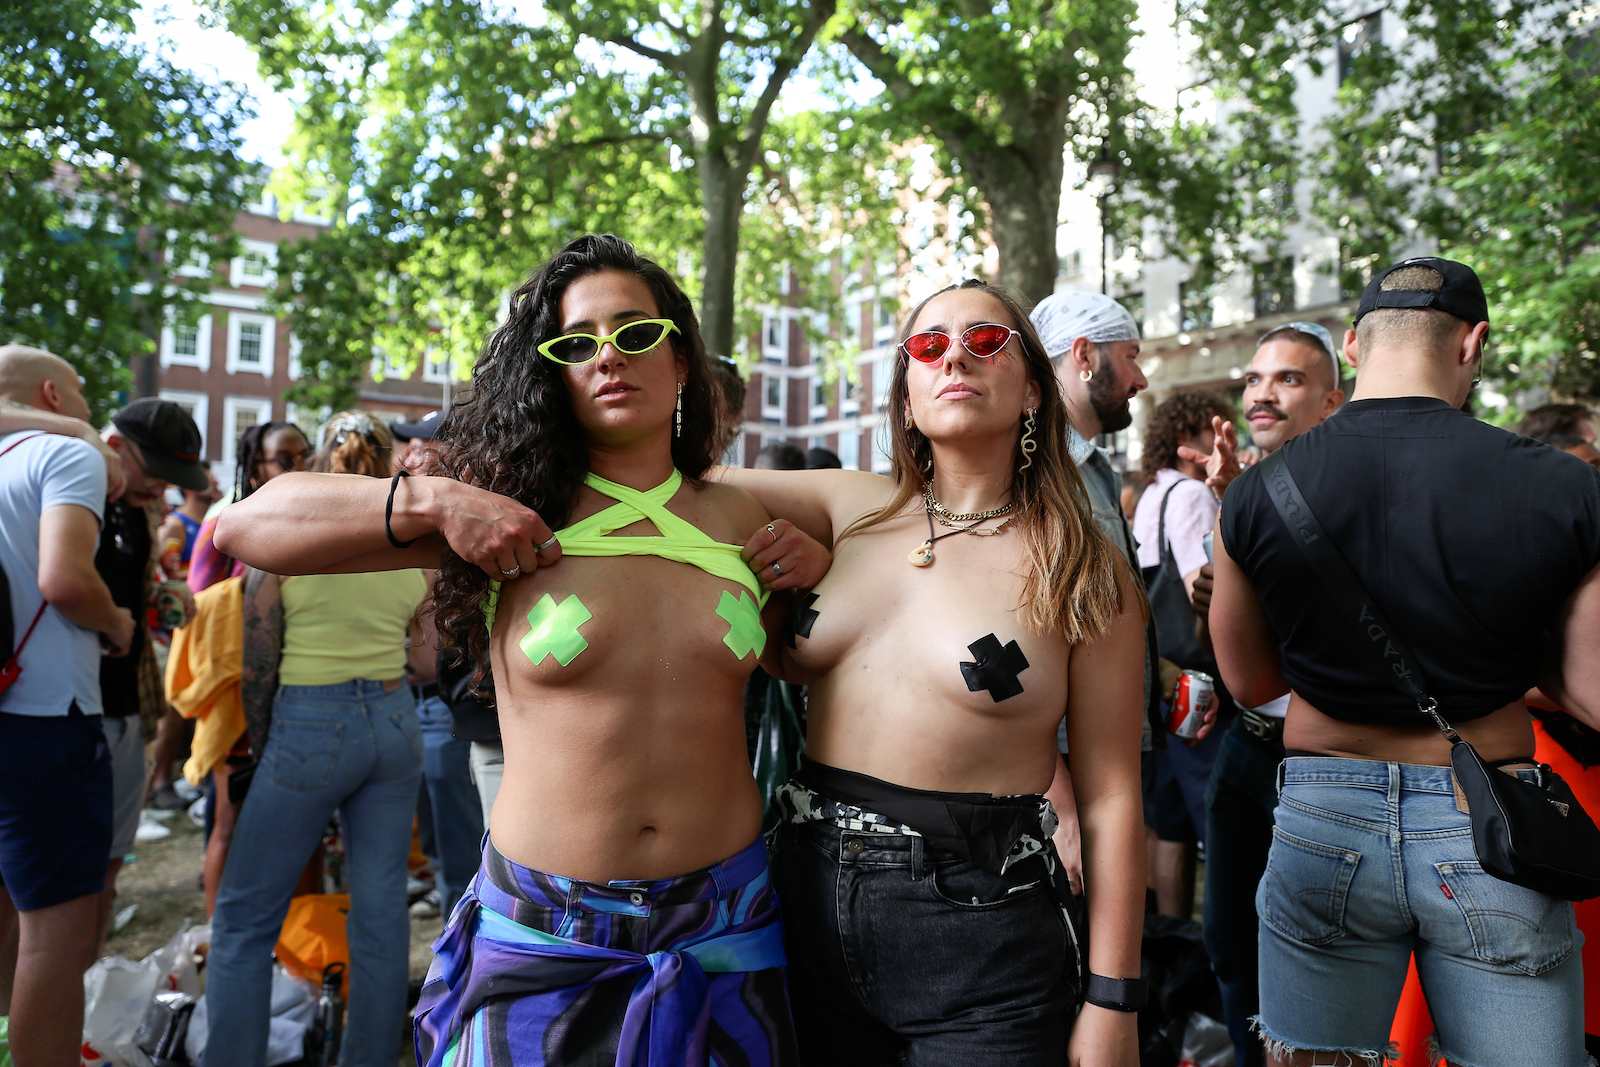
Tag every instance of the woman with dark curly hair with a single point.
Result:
(623, 911)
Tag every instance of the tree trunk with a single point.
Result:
(722, 195)
(1023, 205)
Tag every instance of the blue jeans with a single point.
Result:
(1239, 803)
(354, 747)
(1371, 862)
(457, 815)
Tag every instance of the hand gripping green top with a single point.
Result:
(679, 540)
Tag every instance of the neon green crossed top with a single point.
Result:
(555, 627)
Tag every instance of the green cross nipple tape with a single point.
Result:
(555, 630)
(745, 632)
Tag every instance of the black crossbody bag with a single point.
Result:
(1533, 834)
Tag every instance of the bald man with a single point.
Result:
(40, 391)
(55, 767)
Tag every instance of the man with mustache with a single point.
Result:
(1292, 384)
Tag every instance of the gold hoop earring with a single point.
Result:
(1085, 375)
(911, 423)
(1028, 444)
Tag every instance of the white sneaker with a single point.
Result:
(150, 829)
(427, 907)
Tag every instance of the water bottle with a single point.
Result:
(327, 1032)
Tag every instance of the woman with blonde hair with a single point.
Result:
(971, 604)
(327, 708)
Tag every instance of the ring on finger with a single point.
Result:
(777, 570)
(513, 572)
(546, 544)
(773, 532)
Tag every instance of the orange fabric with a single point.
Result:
(1413, 1023)
(203, 671)
(313, 935)
(418, 859)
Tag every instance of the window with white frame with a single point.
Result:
(774, 338)
(240, 413)
(391, 366)
(773, 391)
(255, 264)
(310, 420)
(250, 343)
(436, 365)
(819, 392)
(195, 264)
(198, 406)
(187, 345)
(882, 378)
(294, 359)
(850, 450)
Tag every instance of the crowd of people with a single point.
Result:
(533, 629)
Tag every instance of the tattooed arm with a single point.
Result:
(263, 648)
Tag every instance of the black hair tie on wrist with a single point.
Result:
(388, 511)
(1117, 994)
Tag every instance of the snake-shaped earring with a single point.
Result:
(1028, 444)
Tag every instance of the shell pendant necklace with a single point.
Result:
(922, 555)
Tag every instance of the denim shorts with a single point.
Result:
(1371, 862)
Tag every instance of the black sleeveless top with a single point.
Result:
(1470, 538)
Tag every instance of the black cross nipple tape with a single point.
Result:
(804, 616)
(996, 668)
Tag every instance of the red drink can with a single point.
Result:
(1189, 703)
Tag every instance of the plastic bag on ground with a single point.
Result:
(1206, 1043)
(294, 1006)
(116, 995)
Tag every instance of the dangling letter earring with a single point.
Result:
(677, 414)
(1028, 443)
(1085, 375)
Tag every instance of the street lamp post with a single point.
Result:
(1103, 174)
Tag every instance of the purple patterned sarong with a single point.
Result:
(537, 970)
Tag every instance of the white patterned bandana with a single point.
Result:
(1062, 318)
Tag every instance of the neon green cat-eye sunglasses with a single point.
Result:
(639, 336)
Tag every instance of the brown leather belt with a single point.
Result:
(1265, 727)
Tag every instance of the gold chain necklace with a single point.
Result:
(922, 555)
(945, 513)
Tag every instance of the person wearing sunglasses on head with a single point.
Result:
(624, 909)
(971, 604)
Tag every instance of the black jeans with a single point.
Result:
(901, 954)
(1239, 803)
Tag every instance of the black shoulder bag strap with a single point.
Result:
(1350, 598)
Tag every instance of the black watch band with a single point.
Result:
(1117, 994)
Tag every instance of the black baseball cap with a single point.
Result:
(168, 440)
(424, 427)
(1461, 295)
